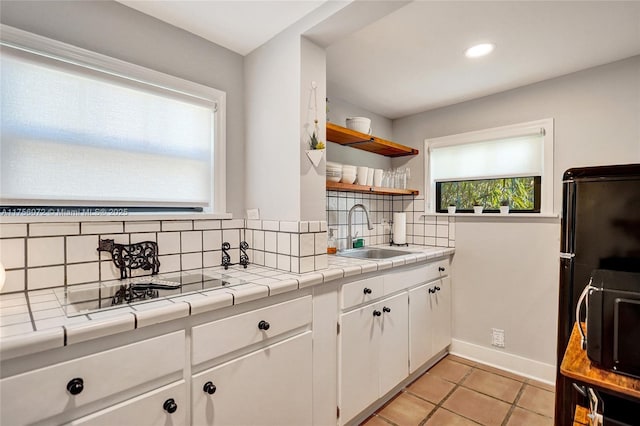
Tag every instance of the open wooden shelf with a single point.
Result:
(347, 137)
(350, 187)
(576, 365)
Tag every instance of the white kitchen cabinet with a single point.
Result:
(271, 386)
(63, 387)
(373, 353)
(164, 406)
(429, 321)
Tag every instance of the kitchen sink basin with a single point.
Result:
(372, 253)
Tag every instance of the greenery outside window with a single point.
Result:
(521, 194)
(513, 163)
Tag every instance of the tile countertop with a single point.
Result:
(35, 321)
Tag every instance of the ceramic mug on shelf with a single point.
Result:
(362, 175)
(377, 177)
(370, 176)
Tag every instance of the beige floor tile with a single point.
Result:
(431, 387)
(493, 385)
(406, 410)
(444, 417)
(501, 372)
(450, 370)
(550, 388)
(375, 421)
(521, 417)
(461, 360)
(478, 407)
(538, 400)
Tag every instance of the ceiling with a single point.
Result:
(412, 59)
(238, 25)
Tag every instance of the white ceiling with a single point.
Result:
(412, 59)
(238, 25)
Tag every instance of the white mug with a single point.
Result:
(370, 177)
(362, 175)
(377, 177)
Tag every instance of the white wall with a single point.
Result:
(115, 30)
(505, 272)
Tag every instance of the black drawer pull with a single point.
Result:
(75, 386)
(376, 313)
(367, 290)
(431, 291)
(170, 406)
(263, 325)
(385, 309)
(441, 268)
(209, 388)
(437, 288)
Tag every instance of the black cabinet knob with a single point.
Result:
(431, 291)
(437, 288)
(376, 313)
(441, 268)
(367, 290)
(170, 406)
(385, 309)
(75, 386)
(209, 388)
(263, 325)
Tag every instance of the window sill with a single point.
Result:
(497, 216)
(130, 217)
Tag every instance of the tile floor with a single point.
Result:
(459, 392)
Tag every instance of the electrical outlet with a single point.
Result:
(497, 337)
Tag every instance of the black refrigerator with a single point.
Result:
(600, 230)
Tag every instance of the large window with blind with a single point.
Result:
(83, 129)
(511, 165)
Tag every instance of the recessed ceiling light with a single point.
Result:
(479, 50)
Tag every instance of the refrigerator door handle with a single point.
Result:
(567, 255)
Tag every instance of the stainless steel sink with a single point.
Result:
(372, 253)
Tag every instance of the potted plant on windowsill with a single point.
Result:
(504, 206)
(452, 208)
(477, 207)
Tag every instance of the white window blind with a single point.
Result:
(76, 135)
(510, 157)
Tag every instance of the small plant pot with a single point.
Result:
(504, 209)
(478, 209)
(451, 209)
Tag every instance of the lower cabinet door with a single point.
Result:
(420, 325)
(358, 375)
(164, 406)
(394, 342)
(271, 386)
(441, 300)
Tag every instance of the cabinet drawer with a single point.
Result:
(217, 338)
(145, 410)
(269, 387)
(42, 393)
(362, 291)
(400, 280)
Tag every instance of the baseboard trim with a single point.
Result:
(505, 361)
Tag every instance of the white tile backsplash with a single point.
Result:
(53, 229)
(284, 244)
(211, 240)
(83, 273)
(143, 226)
(231, 236)
(288, 226)
(140, 238)
(168, 242)
(258, 240)
(10, 230)
(206, 224)
(270, 242)
(45, 277)
(177, 225)
(102, 227)
(307, 245)
(45, 251)
(14, 281)
(192, 260)
(12, 253)
(320, 243)
(169, 263)
(191, 241)
(82, 248)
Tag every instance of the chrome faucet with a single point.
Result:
(349, 236)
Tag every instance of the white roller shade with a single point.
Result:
(78, 135)
(509, 157)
